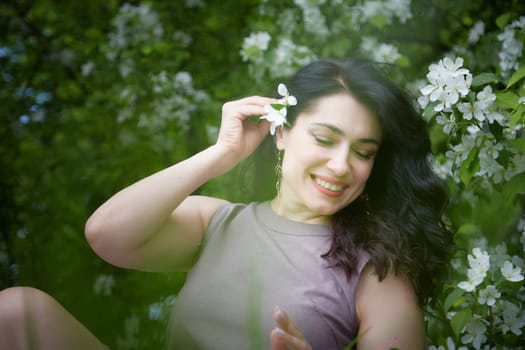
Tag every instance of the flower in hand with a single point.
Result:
(276, 114)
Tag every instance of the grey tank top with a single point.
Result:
(252, 259)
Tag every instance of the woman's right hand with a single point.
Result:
(239, 136)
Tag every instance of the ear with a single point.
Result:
(280, 136)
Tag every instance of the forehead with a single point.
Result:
(345, 113)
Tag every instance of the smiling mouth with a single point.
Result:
(329, 186)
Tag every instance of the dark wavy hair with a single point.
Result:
(400, 222)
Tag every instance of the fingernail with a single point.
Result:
(279, 330)
(280, 313)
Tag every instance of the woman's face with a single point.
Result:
(328, 156)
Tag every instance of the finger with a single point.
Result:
(242, 111)
(281, 340)
(256, 100)
(286, 323)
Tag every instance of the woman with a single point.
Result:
(347, 251)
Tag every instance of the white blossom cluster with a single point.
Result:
(476, 32)
(173, 101)
(511, 47)
(389, 9)
(379, 52)
(494, 285)
(313, 20)
(176, 99)
(104, 284)
(448, 80)
(131, 338)
(282, 56)
(134, 25)
(254, 46)
(279, 61)
(450, 346)
(288, 56)
(468, 115)
(184, 38)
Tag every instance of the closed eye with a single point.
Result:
(325, 141)
(364, 155)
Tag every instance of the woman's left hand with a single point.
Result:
(287, 335)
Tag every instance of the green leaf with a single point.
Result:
(469, 167)
(507, 99)
(452, 298)
(354, 341)
(403, 61)
(484, 78)
(502, 20)
(468, 229)
(517, 76)
(460, 320)
(518, 144)
(378, 21)
(147, 50)
(429, 111)
(517, 116)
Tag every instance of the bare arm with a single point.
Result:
(155, 224)
(389, 313)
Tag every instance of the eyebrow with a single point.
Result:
(338, 131)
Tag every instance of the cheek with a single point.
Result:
(363, 170)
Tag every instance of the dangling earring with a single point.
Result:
(278, 173)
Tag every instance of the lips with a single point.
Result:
(328, 186)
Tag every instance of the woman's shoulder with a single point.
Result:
(228, 211)
(388, 308)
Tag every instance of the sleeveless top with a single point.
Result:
(252, 259)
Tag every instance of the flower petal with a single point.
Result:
(282, 89)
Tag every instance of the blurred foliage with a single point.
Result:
(95, 95)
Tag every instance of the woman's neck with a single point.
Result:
(295, 212)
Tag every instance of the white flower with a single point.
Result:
(511, 50)
(511, 321)
(448, 123)
(476, 32)
(313, 18)
(510, 273)
(277, 117)
(480, 260)
(486, 97)
(433, 347)
(450, 346)
(287, 100)
(488, 295)
(479, 265)
(447, 81)
(254, 45)
(470, 110)
(499, 256)
(475, 332)
(423, 101)
(474, 279)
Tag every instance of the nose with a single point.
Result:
(339, 162)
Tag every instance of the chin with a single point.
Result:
(326, 210)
